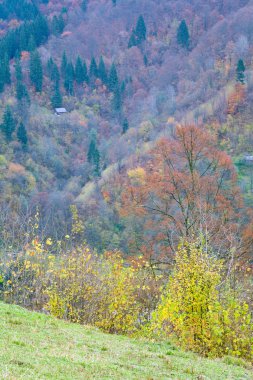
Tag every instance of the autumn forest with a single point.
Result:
(126, 167)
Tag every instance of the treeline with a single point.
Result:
(25, 38)
(22, 9)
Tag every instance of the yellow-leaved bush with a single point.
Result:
(202, 312)
(79, 285)
(197, 307)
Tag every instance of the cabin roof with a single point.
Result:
(60, 110)
(248, 158)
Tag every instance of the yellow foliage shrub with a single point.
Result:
(193, 309)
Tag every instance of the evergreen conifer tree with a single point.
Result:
(36, 71)
(102, 74)
(56, 99)
(240, 70)
(31, 44)
(79, 71)
(85, 72)
(8, 126)
(21, 92)
(132, 41)
(64, 63)
(93, 155)
(84, 5)
(7, 72)
(93, 72)
(141, 30)
(125, 126)
(117, 100)
(18, 70)
(22, 134)
(113, 81)
(183, 36)
(69, 79)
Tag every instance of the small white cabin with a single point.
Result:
(248, 159)
(60, 111)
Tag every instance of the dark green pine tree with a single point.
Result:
(125, 126)
(102, 73)
(93, 156)
(93, 72)
(8, 126)
(31, 44)
(113, 80)
(2, 78)
(18, 70)
(36, 71)
(117, 100)
(57, 25)
(123, 87)
(240, 71)
(50, 64)
(96, 159)
(55, 75)
(7, 72)
(132, 41)
(61, 24)
(183, 36)
(141, 30)
(84, 5)
(21, 92)
(79, 71)
(69, 79)
(56, 99)
(85, 71)
(22, 135)
(22, 39)
(64, 64)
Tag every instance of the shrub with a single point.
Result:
(194, 309)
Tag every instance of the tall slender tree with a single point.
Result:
(132, 41)
(240, 71)
(22, 135)
(79, 71)
(8, 126)
(7, 72)
(183, 36)
(102, 73)
(69, 79)
(36, 71)
(64, 63)
(93, 72)
(85, 71)
(117, 99)
(84, 5)
(141, 30)
(56, 99)
(93, 155)
(113, 80)
(125, 126)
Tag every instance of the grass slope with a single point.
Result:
(35, 346)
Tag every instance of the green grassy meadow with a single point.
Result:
(36, 346)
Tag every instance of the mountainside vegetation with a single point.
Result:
(126, 79)
(126, 167)
(35, 346)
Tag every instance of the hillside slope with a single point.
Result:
(35, 346)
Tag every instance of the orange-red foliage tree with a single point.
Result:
(187, 187)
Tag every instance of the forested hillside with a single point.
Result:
(127, 73)
(126, 166)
